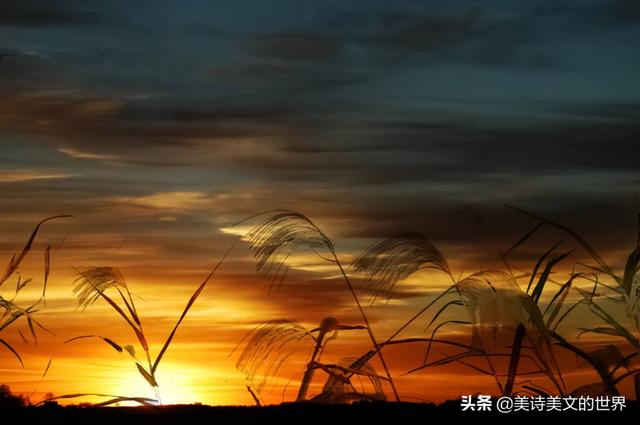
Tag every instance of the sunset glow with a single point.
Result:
(274, 143)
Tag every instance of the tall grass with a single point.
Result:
(267, 347)
(108, 284)
(281, 234)
(512, 315)
(622, 288)
(505, 311)
(11, 309)
(504, 320)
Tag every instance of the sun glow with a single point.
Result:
(179, 384)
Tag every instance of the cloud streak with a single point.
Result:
(22, 176)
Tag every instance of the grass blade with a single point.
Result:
(15, 261)
(112, 343)
(630, 270)
(522, 239)
(46, 369)
(558, 300)
(32, 329)
(192, 300)
(534, 273)
(47, 268)
(150, 401)
(515, 358)
(594, 254)
(537, 292)
(10, 348)
(150, 379)
(254, 396)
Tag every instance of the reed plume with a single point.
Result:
(95, 283)
(268, 346)
(396, 257)
(281, 234)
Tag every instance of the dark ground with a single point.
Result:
(298, 413)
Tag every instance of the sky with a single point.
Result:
(159, 124)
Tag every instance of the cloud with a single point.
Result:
(34, 13)
(74, 153)
(594, 14)
(622, 11)
(345, 115)
(169, 201)
(297, 46)
(391, 37)
(22, 176)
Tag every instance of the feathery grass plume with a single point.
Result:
(502, 317)
(625, 290)
(497, 307)
(395, 258)
(92, 282)
(601, 360)
(328, 325)
(268, 346)
(339, 386)
(282, 233)
(495, 304)
(101, 282)
(97, 282)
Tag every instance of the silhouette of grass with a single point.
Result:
(272, 343)
(108, 284)
(495, 303)
(11, 310)
(624, 289)
(281, 234)
(512, 316)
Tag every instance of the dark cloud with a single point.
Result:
(448, 36)
(351, 111)
(592, 14)
(289, 79)
(390, 38)
(34, 13)
(306, 144)
(624, 112)
(297, 46)
(622, 11)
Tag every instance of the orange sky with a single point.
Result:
(198, 366)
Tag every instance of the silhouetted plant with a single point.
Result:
(11, 310)
(108, 284)
(281, 234)
(622, 288)
(269, 345)
(495, 304)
